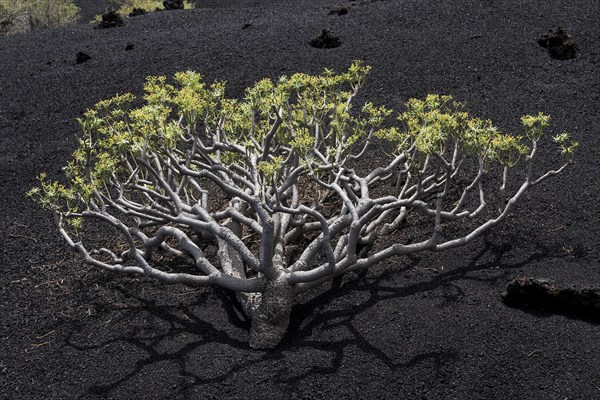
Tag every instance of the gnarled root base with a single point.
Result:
(270, 314)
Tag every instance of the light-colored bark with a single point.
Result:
(290, 208)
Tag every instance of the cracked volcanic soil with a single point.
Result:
(431, 326)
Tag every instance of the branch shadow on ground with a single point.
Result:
(181, 321)
(307, 318)
(377, 289)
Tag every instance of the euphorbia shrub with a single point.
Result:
(270, 195)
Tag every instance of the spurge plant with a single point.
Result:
(278, 192)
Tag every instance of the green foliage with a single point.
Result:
(271, 169)
(303, 123)
(567, 146)
(535, 124)
(25, 15)
(62, 199)
(302, 142)
(125, 7)
(435, 122)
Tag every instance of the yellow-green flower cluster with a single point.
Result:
(567, 146)
(309, 107)
(303, 141)
(305, 119)
(535, 124)
(271, 169)
(435, 122)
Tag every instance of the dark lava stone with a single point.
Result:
(137, 11)
(326, 40)
(111, 19)
(338, 10)
(173, 4)
(545, 295)
(560, 44)
(81, 57)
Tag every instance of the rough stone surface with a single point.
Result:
(326, 40)
(137, 11)
(173, 4)
(82, 57)
(545, 295)
(560, 44)
(111, 19)
(338, 10)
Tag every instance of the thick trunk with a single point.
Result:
(269, 310)
(270, 314)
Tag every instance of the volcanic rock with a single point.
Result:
(111, 19)
(338, 10)
(173, 4)
(560, 44)
(545, 295)
(326, 40)
(82, 57)
(137, 11)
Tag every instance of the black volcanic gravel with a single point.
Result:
(432, 326)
